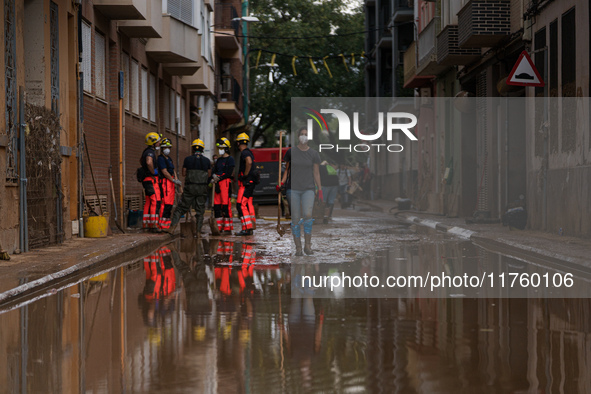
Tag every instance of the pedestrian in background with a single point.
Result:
(223, 171)
(303, 164)
(149, 169)
(246, 185)
(196, 171)
(344, 183)
(168, 181)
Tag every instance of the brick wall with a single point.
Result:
(484, 18)
(448, 48)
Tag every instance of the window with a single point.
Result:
(553, 59)
(145, 94)
(166, 107)
(152, 97)
(99, 64)
(125, 69)
(178, 114)
(173, 110)
(540, 42)
(181, 10)
(569, 53)
(183, 116)
(87, 57)
(135, 93)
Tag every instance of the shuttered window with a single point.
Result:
(152, 98)
(135, 93)
(183, 117)
(172, 110)
(125, 69)
(181, 10)
(99, 64)
(87, 56)
(145, 93)
(166, 107)
(178, 114)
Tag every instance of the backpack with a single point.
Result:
(255, 175)
(140, 174)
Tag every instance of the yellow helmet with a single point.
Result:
(166, 142)
(152, 138)
(198, 144)
(223, 143)
(243, 138)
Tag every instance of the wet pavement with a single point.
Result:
(216, 315)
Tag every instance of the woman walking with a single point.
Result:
(302, 165)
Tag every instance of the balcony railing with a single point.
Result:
(410, 61)
(226, 18)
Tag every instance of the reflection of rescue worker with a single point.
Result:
(246, 186)
(160, 276)
(196, 171)
(167, 183)
(222, 178)
(150, 182)
(247, 268)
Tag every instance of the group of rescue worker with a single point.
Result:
(159, 179)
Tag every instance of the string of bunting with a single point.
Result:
(311, 59)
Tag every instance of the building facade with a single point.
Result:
(466, 49)
(99, 76)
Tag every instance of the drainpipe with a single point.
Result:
(245, 70)
(24, 231)
(80, 119)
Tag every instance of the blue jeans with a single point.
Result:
(301, 204)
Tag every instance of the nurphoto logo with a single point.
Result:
(394, 121)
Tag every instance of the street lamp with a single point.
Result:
(245, 19)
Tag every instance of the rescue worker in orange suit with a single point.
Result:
(246, 186)
(150, 182)
(222, 178)
(167, 183)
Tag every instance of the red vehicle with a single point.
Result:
(267, 160)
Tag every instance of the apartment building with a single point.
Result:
(110, 71)
(466, 49)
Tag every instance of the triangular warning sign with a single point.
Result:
(524, 73)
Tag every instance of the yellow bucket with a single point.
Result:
(96, 226)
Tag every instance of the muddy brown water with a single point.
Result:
(218, 317)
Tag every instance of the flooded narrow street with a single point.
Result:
(218, 316)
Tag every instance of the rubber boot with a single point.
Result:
(308, 244)
(298, 245)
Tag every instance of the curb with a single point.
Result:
(515, 250)
(125, 253)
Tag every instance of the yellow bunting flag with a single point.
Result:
(313, 66)
(344, 61)
(293, 65)
(353, 59)
(326, 66)
(273, 60)
(258, 58)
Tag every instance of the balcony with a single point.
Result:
(180, 69)
(484, 23)
(227, 30)
(228, 96)
(411, 79)
(177, 45)
(427, 65)
(122, 9)
(202, 82)
(208, 4)
(151, 27)
(449, 52)
(403, 11)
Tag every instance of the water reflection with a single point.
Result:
(213, 317)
